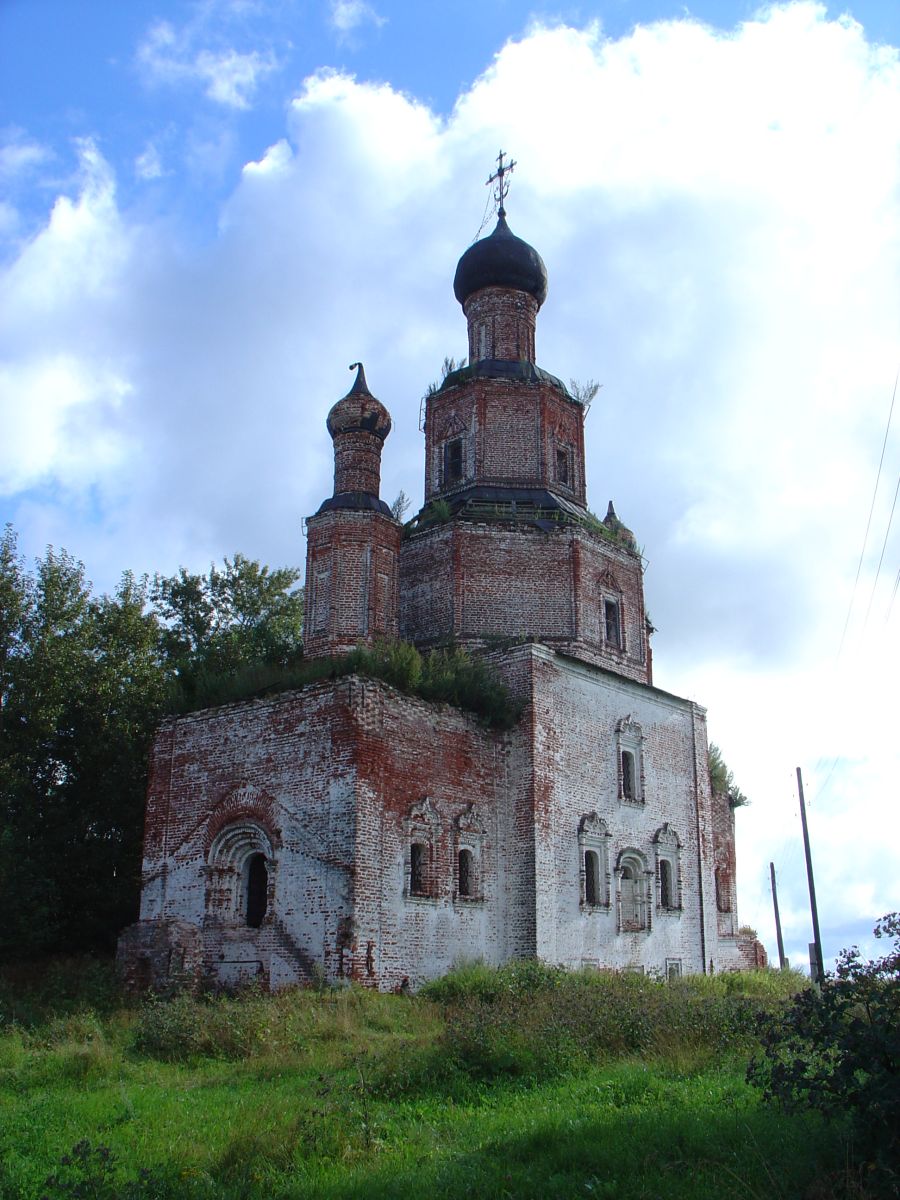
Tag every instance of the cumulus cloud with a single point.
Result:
(720, 220)
(228, 76)
(349, 15)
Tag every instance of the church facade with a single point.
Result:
(347, 831)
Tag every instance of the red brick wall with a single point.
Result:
(357, 462)
(475, 582)
(501, 324)
(352, 564)
(511, 431)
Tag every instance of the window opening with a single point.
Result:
(466, 873)
(632, 897)
(417, 869)
(666, 896)
(673, 969)
(562, 466)
(591, 877)
(613, 624)
(453, 461)
(257, 890)
(628, 775)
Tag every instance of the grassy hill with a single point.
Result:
(522, 1082)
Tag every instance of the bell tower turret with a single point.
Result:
(353, 541)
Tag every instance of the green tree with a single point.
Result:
(836, 1050)
(232, 617)
(84, 681)
(84, 686)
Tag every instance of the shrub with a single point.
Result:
(837, 1050)
(531, 1021)
(186, 1027)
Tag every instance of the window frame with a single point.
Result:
(468, 838)
(454, 452)
(667, 849)
(629, 739)
(421, 830)
(227, 869)
(593, 838)
(633, 861)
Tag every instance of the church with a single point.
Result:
(346, 831)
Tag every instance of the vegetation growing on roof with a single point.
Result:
(447, 676)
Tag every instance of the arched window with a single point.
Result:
(256, 890)
(632, 874)
(629, 744)
(239, 874)
(667, 845)
(593, 842)
(420, 852)
(468, 835)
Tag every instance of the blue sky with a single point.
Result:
(207, 210)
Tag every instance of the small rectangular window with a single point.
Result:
(628, 790)
(612, 623)
(453, 461)
(417, 861)
(466, 873)
(673, 969)
(562, 466)
(666, 893)
(591, 877)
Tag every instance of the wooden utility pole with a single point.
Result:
(817, 939)
(782, 961)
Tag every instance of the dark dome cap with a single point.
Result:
(359, 411)
(501, 260)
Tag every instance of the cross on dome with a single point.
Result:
(499, 177)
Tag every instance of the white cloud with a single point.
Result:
(19, 154)
(349, 15)
(720, 220)
(148, 164)
(228, 76)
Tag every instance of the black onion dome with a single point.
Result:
(359, 411)
(501, 260)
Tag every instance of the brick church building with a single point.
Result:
(347, 831)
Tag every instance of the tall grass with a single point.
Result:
(525, 1081)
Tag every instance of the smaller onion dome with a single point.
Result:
(359, 411)
(501, 260)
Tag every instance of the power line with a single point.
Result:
(862, 552)
(883, 548)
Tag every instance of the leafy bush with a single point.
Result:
(531, 1021)
(186, 1027)
(837, 1050)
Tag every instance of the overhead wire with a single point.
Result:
(862, 552)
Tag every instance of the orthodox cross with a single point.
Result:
(499, 177)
